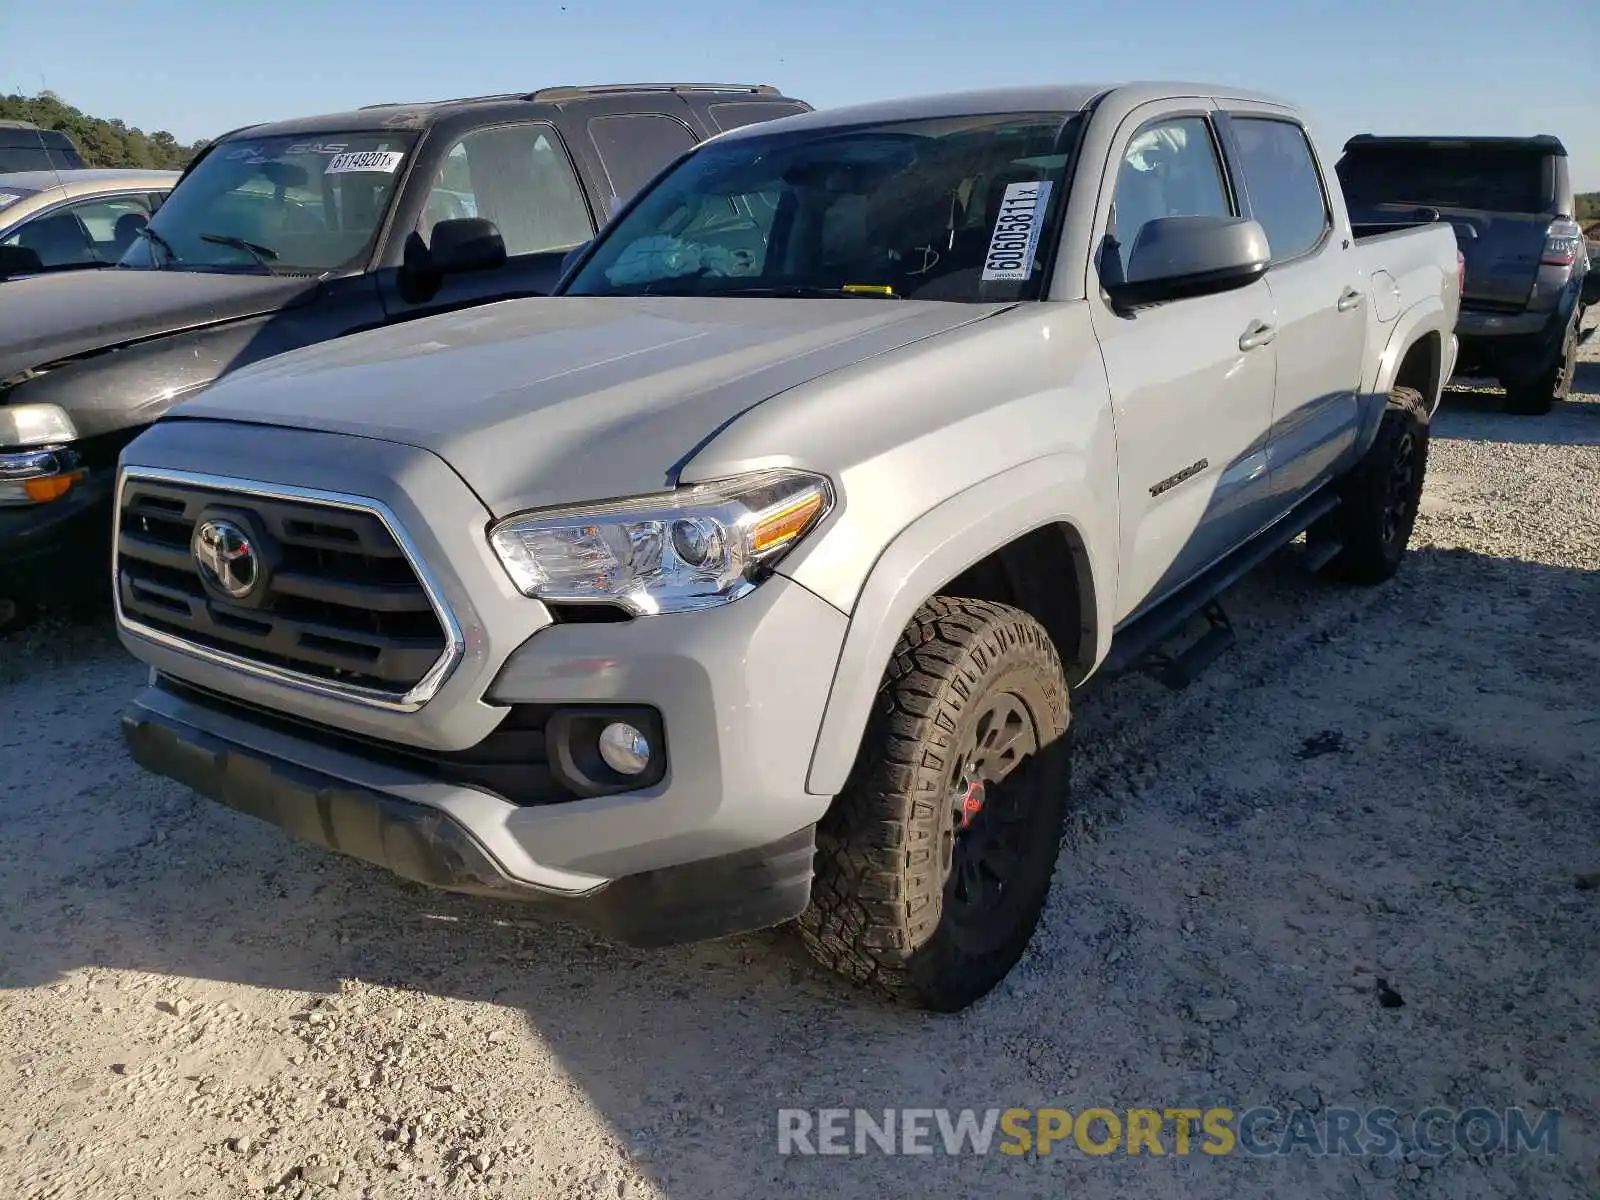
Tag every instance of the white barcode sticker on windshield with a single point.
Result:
(1017, 225)
(365, 160)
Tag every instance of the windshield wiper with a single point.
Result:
(156, 239)
(265, 255)
(802, 291)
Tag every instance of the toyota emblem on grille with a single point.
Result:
(227, 560)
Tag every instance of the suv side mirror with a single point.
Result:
(466, 244)
(1175, 257)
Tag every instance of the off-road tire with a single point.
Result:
(1535, 397)
(1379, 498)
(890, 905)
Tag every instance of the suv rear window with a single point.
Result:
(1497, 179)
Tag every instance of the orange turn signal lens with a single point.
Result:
(782, 525)
(51, 487)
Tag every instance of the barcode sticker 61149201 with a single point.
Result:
(384, 161)
(1017, 225)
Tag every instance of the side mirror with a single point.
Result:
(19, 260)
(1175, 257)
(572, 256)
(466, 244)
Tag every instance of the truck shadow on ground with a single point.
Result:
(688, 1053)
(1481, 416)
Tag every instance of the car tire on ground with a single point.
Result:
(1379, 498)
(1535, 397)
(934, 863)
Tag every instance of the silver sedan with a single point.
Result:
(61, 220)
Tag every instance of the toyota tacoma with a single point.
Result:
(747, 579)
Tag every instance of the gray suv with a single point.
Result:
(1511, 204)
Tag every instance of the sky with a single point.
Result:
(1388, 66)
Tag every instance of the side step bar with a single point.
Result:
(1135, 643)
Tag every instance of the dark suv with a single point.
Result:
(1511, 203)
(283, 235)
(26, 147)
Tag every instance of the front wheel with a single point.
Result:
(1379, 499)
(933, 864)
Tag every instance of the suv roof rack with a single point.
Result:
(573, 91)
(568, 91)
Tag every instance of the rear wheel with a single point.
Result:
(933, 864)
(1535, 397)
(1379, 499)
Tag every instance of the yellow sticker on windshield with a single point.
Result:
(869, 289)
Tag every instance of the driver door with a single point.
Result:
(519, 177)
(1191, 380)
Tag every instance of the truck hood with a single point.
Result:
(47, 318)
(558, 401)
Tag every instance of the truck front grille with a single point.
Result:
(336, 602)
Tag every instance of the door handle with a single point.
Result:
(1348, 299)
(1259, 334)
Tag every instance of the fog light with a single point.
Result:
(625, 750)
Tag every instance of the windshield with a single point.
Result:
(1494, 179)
(277, 204)
(959, 209)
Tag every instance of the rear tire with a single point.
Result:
(1535, 397)
(1379, 498)
(934, 863)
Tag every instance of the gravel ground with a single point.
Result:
(1399, 784)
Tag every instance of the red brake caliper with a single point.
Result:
(971, 803)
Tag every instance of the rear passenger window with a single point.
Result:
(1280, 176)
(517, 176)
(635, 146)
(737, 114)
(1170, 169)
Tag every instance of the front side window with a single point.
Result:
(301, 204)
(113, 223)
(1280, 176)
(517, 176)
(960, 209)
(1169, 169)
(58, 237)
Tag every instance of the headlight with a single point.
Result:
(693, 548)
(35, 425)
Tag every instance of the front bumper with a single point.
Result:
(710, 848)
(751, 889)
(59, 549)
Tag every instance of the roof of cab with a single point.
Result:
(38, 181)
(422, 114)
(1062, 98)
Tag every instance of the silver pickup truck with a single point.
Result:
(748, 578)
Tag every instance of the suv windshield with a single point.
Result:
(277, 204)
(1495, 179)
(960, 209)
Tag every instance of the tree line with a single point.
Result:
(103, 143)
